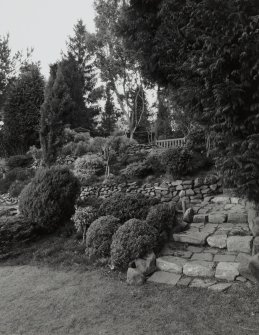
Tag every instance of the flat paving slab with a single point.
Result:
(162, 277)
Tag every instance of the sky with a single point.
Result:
(43, 25)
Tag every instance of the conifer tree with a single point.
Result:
(55, 112)
(110, 114)
(22, 110)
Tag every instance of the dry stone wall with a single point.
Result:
(192, 190)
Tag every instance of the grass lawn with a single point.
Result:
(49, 288)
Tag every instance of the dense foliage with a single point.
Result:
(55, 110)
(176, 161)
(126, 206)
(206, 52)
(82, 219)
(99, 236)
(133, 239)
(49, 199)
(161, 217)
(22, 110)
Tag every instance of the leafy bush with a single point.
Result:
(120, 143)
(133, 239)
(18, 161)
(126, 206)
(49, 199)
(99, 236)
(97, 144)
(153, 160)
(88, 167)
(176, 161)
(16, 187)
(137, 170)
(161, 217)
(82, 219)
(82, 137)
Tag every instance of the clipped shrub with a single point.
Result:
(125, 206)
(161, 217)
(49, 199)
(99, 236)
(19, 161)
(132, 240)
(176, 161)
(82, 219)
(137, 170)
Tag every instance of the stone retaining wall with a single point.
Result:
(192, 190)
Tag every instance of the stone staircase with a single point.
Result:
(213, 251)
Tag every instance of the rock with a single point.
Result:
(244, 269)
(217, 241)
(189, 192)
(241, 279)
(256, 246)
(221, 199)
(198, 182)
(184, 281)
(202, 257)
(254, 226)
(200, 218)
(202, 283)
(239, 243)
(135, 277)
(220, 287)
(193, 248)
(188, 215)
(227, 271)
(224, 258)
(162, 277)
(254, 266)
(147, 264)
(217, 217)
(170, 264)
(237, 217)
(191, 236)
(199, 269)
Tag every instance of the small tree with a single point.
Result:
(55, 110)
(110, 114)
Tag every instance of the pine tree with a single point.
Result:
(22, 110)
(110, 115)
(55, 112)
(80, 77)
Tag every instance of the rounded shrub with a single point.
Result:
(132, 240)
(49, 199)
(137, 170)
(161, 217)
(99, 236)
(125, 206)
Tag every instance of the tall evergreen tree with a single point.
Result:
(110, 114)
(22, 110)
(55, 112)
(80, 77)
